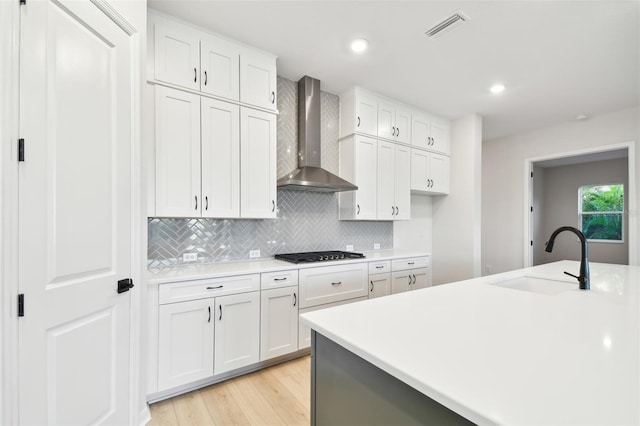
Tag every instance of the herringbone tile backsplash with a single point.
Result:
(306, 221)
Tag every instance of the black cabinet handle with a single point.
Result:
(358, 125)
(371, 286)
(379, 267)
(196, 197)
(215, 288)
(280, 279)
(206, 203)
(397, 210)
(358, 209)
(397, 131)
(273, 97)
(393, 211)
(414, 279)
(338, 283)
(209, 320)
(195, 75)
(220, 319)
(411, 263)
(295, 299)
(273, 206)
(409, 280)
(205, 78)
(393, 132)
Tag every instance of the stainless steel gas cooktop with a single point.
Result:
(318, 256)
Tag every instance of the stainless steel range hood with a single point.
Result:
(310, 176)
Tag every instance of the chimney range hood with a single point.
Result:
(309, 176)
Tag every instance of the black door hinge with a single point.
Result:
(20, 149)
(125, 285)
(532, 209)
(531, 174)
(23, 2)
(21, 305)
(532, 242)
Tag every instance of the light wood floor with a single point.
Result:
(279, 395)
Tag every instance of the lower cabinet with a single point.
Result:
(379, 285)
(237, 331)
(185, 342)
(279, 322)
(304, 332)
(411, 279)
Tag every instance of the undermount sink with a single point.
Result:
(537, 285)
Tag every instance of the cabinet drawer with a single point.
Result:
(201, 289)
(278, 279)
(332, 284)
(379, 267)
(410, 263)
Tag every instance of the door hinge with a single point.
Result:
(125, 285)
(531, 209)
(23, 2)
(531, 174)
(20, 149)
(531, 242)
(21, 305)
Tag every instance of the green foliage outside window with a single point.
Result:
(601, 211)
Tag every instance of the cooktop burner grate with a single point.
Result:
(318, 256)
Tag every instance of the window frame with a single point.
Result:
(616, 212)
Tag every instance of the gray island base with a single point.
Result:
(348, 390)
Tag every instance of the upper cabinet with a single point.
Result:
(186, 57)
(430, 133)
(358, 113)
(394, 122)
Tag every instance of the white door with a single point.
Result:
(401, 281)
(402, 182)
(439, 173)
(220, 68)
(75, 215)
(386, 120)
(279, 322)
(403, 125)
(177, 153)
(420, 130)
(220, 159)
(257, 164)
(258, 80)
(379, 285)
(386, 209)
(420, 170)
(177, 54)
(366, 160)
(237, 331)
(366, 114)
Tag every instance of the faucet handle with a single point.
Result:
(574, 276)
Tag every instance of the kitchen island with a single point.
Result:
(523, 347)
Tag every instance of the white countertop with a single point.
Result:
(215, 270)
(499, 355)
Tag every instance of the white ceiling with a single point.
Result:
(556, 58)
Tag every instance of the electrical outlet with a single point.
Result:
(189, 257)
(254, 253)
(488, 269)
(349, 247)
(376, 246)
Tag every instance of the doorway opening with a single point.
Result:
(553, 185)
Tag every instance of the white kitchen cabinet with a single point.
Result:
(177, 53)
(258, 79)
(429, 172)
(393, 182)
(358, 163)
(177, 147)
(304, 332)
(219, 67)
(394, 121)
(410, 279)
(278, 322)
(220, 159)
(430, 133)
(328, 284)
(237, 331)
(379, 285)
(257, 164)
(358, 113)
(185, 342)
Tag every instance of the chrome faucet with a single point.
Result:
(583, 279)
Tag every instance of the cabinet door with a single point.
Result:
(257, 164)
(279, 322)
(185, 342)
(220, 68)
(237, 331)
(366, 114)
(419, 170)
(258, 79)
(220, 159)
(379, 285)
(386, 185)
(402, 182)
(403, 125)
(366, 160)
(177, 146)
(420, 278)
(439, 173)
(386, 120)
(401, 281)
(420, 130)
(177, 54)
(440, 137)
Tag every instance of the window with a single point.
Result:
(601, 210)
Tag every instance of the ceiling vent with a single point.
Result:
(446, 24)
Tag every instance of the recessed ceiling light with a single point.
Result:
(359, 45)
(497, 88)
(581, 117)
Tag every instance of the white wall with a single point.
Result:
(503, 162)
(416, 233)
(457, 216)
(561, 209)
